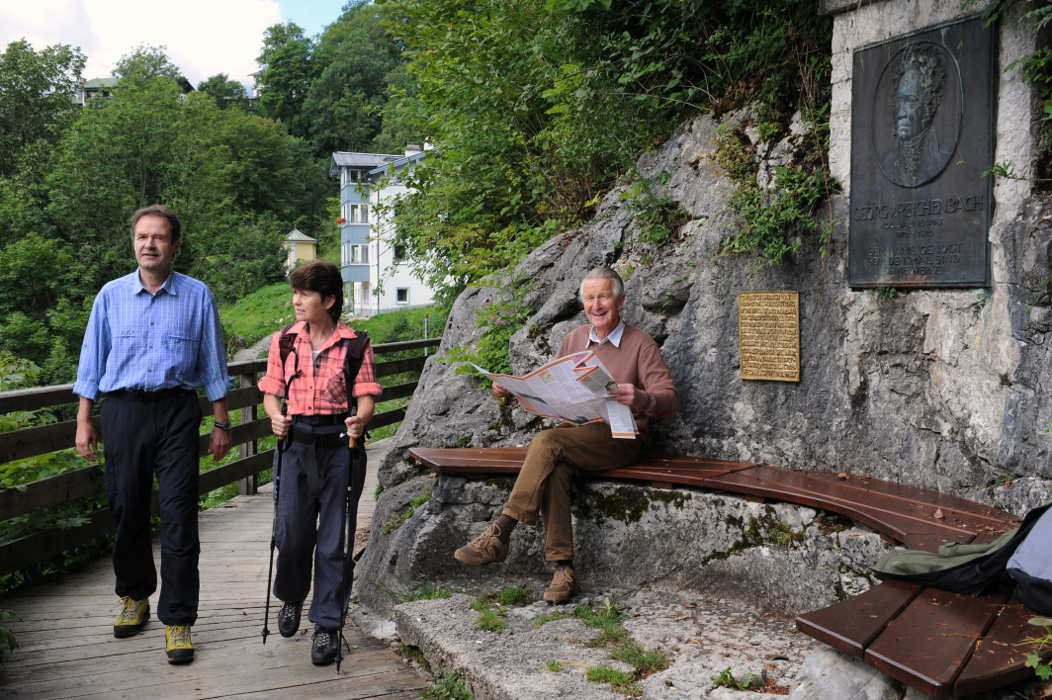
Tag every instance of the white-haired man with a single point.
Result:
(543, 484)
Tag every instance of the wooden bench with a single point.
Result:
(944, 644)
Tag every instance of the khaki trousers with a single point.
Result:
(545, 480)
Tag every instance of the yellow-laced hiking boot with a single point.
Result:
(487, 548)
(178, 645)
(133, 617)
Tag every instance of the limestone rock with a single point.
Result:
(828, 674)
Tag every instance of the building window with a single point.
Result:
(345, 254)
(359, 255)
(402, 295)
(363, 212)
(399, 253)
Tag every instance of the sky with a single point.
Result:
(202, 37)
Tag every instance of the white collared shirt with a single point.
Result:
(613, 336)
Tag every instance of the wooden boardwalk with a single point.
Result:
(67, 648)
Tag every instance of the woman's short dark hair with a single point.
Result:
(165, 213)
(324, 278)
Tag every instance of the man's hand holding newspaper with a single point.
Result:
(577, 388)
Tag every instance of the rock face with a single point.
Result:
(945, 389)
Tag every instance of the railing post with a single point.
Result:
(250, 484)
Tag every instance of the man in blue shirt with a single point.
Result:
(153, 337)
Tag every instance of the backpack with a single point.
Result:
(352, 360)
(1031, 566)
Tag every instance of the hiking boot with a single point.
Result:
(133, 617)
(323, 646)
(562, 586)
(179, 647)
(289, 618)
(484, 549)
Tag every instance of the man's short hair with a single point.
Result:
(603, 273)
(322, 277)
(165, 213)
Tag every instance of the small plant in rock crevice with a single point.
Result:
(493, 607)
(1038, 657)
(447, 685)
(726, 679)
(401, 518)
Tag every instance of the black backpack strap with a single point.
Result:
(285, 346)
(352, 362)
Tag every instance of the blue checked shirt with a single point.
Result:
(147, 342)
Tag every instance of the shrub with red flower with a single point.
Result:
(341, 220)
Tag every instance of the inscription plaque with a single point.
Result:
(769, 335)
(922, 134)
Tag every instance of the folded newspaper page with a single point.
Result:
(575, 388)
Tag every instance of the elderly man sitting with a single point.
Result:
(643, 384)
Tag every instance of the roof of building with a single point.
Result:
(350, 159)
(398, 163)
(297, 235)
(100, 83)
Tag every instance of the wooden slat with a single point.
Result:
(41, 546)
(38, 440)
(238, 398)
(409, 364)
(387, 418)
(37, 397)
(238, 434)
(51, 491)
(407, 345)
(929, 643)
(239, 469)
(398, 391)
(852, 624)
(871, 509)
(999, 659)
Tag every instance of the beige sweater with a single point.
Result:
(637, 361)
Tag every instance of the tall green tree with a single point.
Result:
(144, 63)
(287, 70)
(37, 97)
(355, 58)
(226, 92)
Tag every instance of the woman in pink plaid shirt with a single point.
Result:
(320, 476)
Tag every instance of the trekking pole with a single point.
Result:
(355, 485)
(274, 527)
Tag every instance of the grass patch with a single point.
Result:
(493, 607)
(515, 595)
(411, 652)
(542, 620)
(447, 685)
(401, 518)
(621, 681)
(492, 620)
(726, 679)
(615, 639)
(554, 666)
(430, 592)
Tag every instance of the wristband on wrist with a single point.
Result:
(222, 425)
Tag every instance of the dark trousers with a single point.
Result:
(141, 439)
(311, 526)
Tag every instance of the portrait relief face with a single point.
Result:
(917, 114)
(911, 113)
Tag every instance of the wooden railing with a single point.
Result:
(41, 546)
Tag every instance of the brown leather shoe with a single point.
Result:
(563, 585)
(484, 549)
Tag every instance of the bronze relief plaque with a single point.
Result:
(769, 335)
(922, 134)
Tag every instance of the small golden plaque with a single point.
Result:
(769, 335)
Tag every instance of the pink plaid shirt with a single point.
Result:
(320, 389)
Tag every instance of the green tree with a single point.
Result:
(146, 62)
(353, 59)
(287, 69)
(226, 92)
(37, 91)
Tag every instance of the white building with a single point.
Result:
(377, 276)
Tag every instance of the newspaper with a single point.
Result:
(574, 387)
